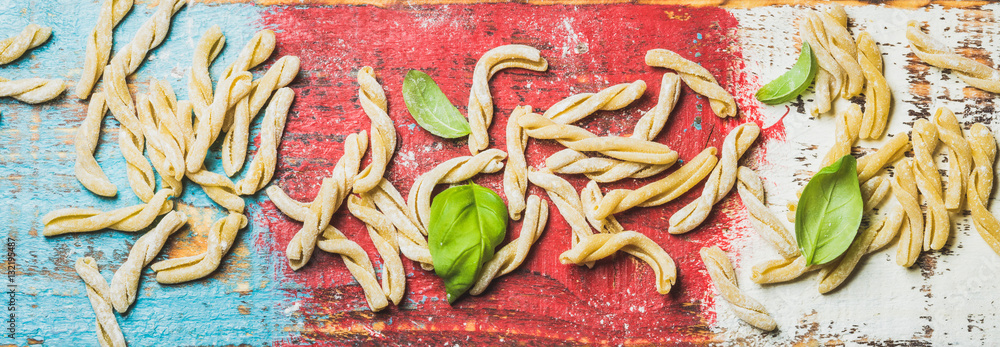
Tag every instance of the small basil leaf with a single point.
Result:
(431, 108)
(793, 82)
(466, 225)
(829, 212)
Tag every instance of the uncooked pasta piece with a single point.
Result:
(935, 53)
(984, 149)
(108, 332)
(356, 260)
(412, 243)
(780, 270)
(383, 133)
(719, 182)
(959, 157)
(751, 191)
(696, 77)
(32, 36)
(87, 171)
(219, 188)
(511, 256)
(579, 106)
(871, 164)
(31, 90)
(221, 237)
(454, 170)
(595, 247)
(591, 197)
(480, 99)
(834, 273)
(874, 191)
(891, 225)
(842, 47)
(131, 219)
(229, 92)
(331, 195)
(125, 283)
(848, 125)
(234, 146)
(652, 122)
(661, 191)
(937, 225)
(904, 188)
(99, 44)
(720, 269)
(383, 236)
(567, 201)
(261, 168)
(579, 139)
(254, 53)
(830, 76)
(515, 174)
(200, 82)
(878, 97)
(158, 137)
(149, 36)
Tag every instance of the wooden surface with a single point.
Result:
(255, 299)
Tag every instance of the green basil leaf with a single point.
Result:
(829, 212)
(466, 225)
(793, 82)
(431, 108)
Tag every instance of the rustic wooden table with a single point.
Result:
(256, 299)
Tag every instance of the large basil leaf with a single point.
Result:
(431, 108)
(829, 212)
(466, 225)
(793, 82)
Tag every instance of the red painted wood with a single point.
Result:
(543, 302)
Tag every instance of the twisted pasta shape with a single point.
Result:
(591, 197)
(878, 97)
(412, 243)
(219, 188)
(696, 77)
(848, 126)
(843, 49)
(383, 133)
(230, 91)
(960, 158)
(512, 255)
(254, 53)
(261, 168)
(31, 90)
(579, 139)
(579, 106)
(32, 36)
(515, 174)
(454, 170)
(891, 223)
(751, 191)
(938, 221)
(149, 36)
(567, 201)
(599, 246)
(904, 188)
(357, 263)
(131, 219)
(221, 237)
(719, 182)
(234, 147)
(331, 195)
(480, 99)
(720, 269)
(200, 83)
(383, 235)
(108, 331)
(834, 273)
(830, 76)
(661, 191)
(126, 280)
(87, 171)
(653, 121)
(780, 270)
(99, 44)
(153, 120)
(984, 150)
(130, 136)
(871, 164)
(935, 53)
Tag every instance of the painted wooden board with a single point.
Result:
(256, 299)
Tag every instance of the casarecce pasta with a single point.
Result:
(834, 273)
(32, 90)
(99, 44)
(938, 222)
(412, 242)
(383, 133)
(131, 219)
(508, 258)
(579, 139)
(984, 150)
(719, 182)
(221, 237)
(357, 262)
(219, 188)
(130, 137)
(32, 36)
(567, 201)
(515, 174)
(872, 163)
(87, 171)
(383, 235)
(696, 77)
(155, 112)
(720, 269)
(594, 247)
(261, 168)
(480, 99)
(229, 92)
(959, 157)
(751, 191)
(935, 53)
(591, 197)
(878, 97)
(200, 82)
(579, 106)
(125, 282)
(454, 170)
(904, 187)
(848, 126)
(108, 331)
